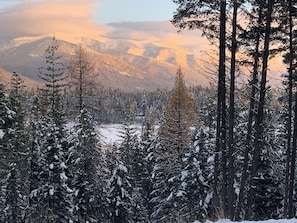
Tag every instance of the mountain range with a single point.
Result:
(119, 63)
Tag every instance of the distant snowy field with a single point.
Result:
(294, 220)
(110, 134)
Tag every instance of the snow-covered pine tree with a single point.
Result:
(19, 135)
(4, 120)
(268, 183)
(204, 151)
(195, 188)
(14, 150)
(147, 145)
(119, 190)
(133, 158)
(53, 193)
(87, 171)
(35, 158)
(13, 207)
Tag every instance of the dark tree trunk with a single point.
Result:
(291, 212)
(289, 178)
(251, 117)
(258, 143)
(218, 204)
(231, 113)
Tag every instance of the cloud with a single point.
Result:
(50, 16)
(38, 17)
(159, 31)
(147, 26)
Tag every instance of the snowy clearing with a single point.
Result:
(110, 134)
(294, 220)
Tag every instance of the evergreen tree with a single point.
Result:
(87, 171)
(194, 189)
(260, 117)
(119, 191)
(147, 145)
(17, 135)
(13, 207)
(53, 193)
(35, 157)
(287, 18)
(268, 182)
(14, 150)
(203, 156)
(53, 74)
(5, 116)
(133, 158)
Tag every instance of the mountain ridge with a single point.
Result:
(119, 63)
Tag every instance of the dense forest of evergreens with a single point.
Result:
(227, 151)
(51, 173)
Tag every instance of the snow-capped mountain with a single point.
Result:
(119, 63)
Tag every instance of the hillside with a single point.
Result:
(119, 63)
(5, 77)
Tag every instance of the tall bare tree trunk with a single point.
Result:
(289, 178)
(258, 143)
(251, 116)
(231, 113)
(219, 199)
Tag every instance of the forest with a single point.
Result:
(223, 151)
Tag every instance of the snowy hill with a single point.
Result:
(120, 63)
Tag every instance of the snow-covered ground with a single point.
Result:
(110, 134)
(294, 220)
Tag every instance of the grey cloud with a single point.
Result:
(147, 26)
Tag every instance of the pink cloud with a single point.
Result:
(77, 17)
(44, 17)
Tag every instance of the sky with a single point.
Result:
(107, 11)
(134, 10)
(131, 19)
(115, 19)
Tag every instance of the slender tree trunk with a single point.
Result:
(292, 149)
(231, 112)
(222, 71)
(258, 143)
(251, 115)
(291, 212)
(219, 206)
(288, 202)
